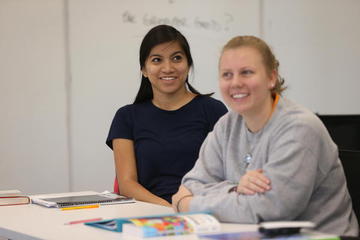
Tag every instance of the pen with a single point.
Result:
(80, 207)
(83, 221)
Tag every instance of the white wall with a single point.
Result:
(33, 146)
(317, 43)
(66, 66)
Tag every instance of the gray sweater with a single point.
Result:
(296, 153)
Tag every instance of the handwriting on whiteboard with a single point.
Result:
(221, 24)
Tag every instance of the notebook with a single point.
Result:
(102, 199)
(13, 197)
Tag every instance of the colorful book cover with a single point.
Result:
(161, 225)
(158, 226)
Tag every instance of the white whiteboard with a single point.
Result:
(318, 45)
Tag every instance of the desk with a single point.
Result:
(36, 222)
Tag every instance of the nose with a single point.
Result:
(236, 81)
(167, 67)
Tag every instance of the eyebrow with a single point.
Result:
(175, 53)
(178, 52)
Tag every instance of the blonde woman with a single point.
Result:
(268, 158)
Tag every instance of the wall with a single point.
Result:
(33, 135)
(66, 66)
(317, 43)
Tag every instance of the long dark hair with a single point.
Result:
(158, 35)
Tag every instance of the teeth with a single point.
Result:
(167, 78)
(240, 95)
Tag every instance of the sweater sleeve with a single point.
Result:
(292, 168)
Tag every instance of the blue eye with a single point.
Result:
(246, 72)
(226, 75)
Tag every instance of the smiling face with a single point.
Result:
(167, 69)
(245, 83)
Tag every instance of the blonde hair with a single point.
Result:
(269, 60)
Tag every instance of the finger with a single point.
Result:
(256, 184)
(260, 183)
(247, 187)
(253, 182)
(265, 184)
(260, 176)
(252, 185)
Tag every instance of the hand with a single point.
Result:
(184, 196)
(164, 203)
(254, 181)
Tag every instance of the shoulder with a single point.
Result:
(299, 129)
(229, 124)
(296, 114)
(205, 99)
(124, 110)
(298, 122)
(210, 103)
(130, 108)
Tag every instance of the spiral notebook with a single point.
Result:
(102, 199)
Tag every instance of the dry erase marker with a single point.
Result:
(83, 221)
(80, 207)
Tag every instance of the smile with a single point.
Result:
(239, 95)
(168, 78)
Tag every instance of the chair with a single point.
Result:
(344, 130)
(351, 164)
(116, 186)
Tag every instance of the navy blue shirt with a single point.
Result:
(166, 143)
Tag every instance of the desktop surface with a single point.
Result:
(36, 222)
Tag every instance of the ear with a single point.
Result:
(143, 71)
(272, 79)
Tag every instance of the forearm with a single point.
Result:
(199, 188)
(227, 207)
(285, 201)
(131, 188)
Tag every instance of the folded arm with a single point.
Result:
(291, 167)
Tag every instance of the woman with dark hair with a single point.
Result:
(156, 140)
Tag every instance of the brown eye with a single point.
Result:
(177, 58)
(155, 60)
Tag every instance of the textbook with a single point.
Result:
(13, 197)
(102, 199)
(161, 225)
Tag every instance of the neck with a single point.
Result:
(172, 101)
(256, 121)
